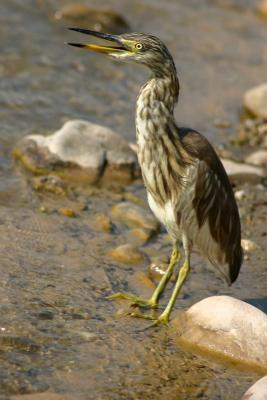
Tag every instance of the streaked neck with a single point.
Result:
(156, 102)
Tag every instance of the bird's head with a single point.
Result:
(135, 47)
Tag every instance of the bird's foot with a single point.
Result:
(136, 300)
(162, 319)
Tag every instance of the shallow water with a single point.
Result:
(57, 331)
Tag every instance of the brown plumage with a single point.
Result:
(188, 188)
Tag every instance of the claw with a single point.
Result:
(156, 321)
(136, 301)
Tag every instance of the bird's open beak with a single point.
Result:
(118, 47)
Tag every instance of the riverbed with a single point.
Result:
(58, 332)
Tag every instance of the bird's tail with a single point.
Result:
(235, 263)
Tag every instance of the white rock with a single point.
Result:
(243, 172)
(255, 100)
(226, 326)
(248, 245)
(86, 144)
(95, 149)
(258, 391)
(258, 158)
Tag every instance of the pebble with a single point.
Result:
(51, 184)
(141, 281)
(255, 100)
(252, 132)
(249, 246)
(258, 391)
(222, 123)
(262, 10)
(67, 212)
(240, 194)
(258, 157)
(128, 254)
(81, 151)
(103, 222)
(135, 216)
(243, 172)
(140, 235)
(226, 327)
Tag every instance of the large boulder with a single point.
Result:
(80, 150)
(227, 327)
(258, 391)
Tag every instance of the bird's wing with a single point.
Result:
(215, 206)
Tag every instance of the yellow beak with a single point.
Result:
(118, 48)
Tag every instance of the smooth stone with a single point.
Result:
(226, 327)
(97, 19)
(135, 216)
(140, 235)
(262, 10)
(80, 150)
(103, 222)
(243, 172)
(128, 254)
(141, 282)
(258, 157)
(255, 100)
(258, 391)
(222, 123)
(248, 245)
(67, 212)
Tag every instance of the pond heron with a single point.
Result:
(187, 187)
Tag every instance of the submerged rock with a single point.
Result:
(258, 391)
(80, 150)
(103, 222)
(227, 327)
(243, 172)
(93, 18)
(140, 235)
(128, 254)
(135, 216)
(158, 267)
(255, 100)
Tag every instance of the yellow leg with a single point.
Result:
(183, 273)
(153, 301)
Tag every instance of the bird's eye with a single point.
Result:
(138, 46)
